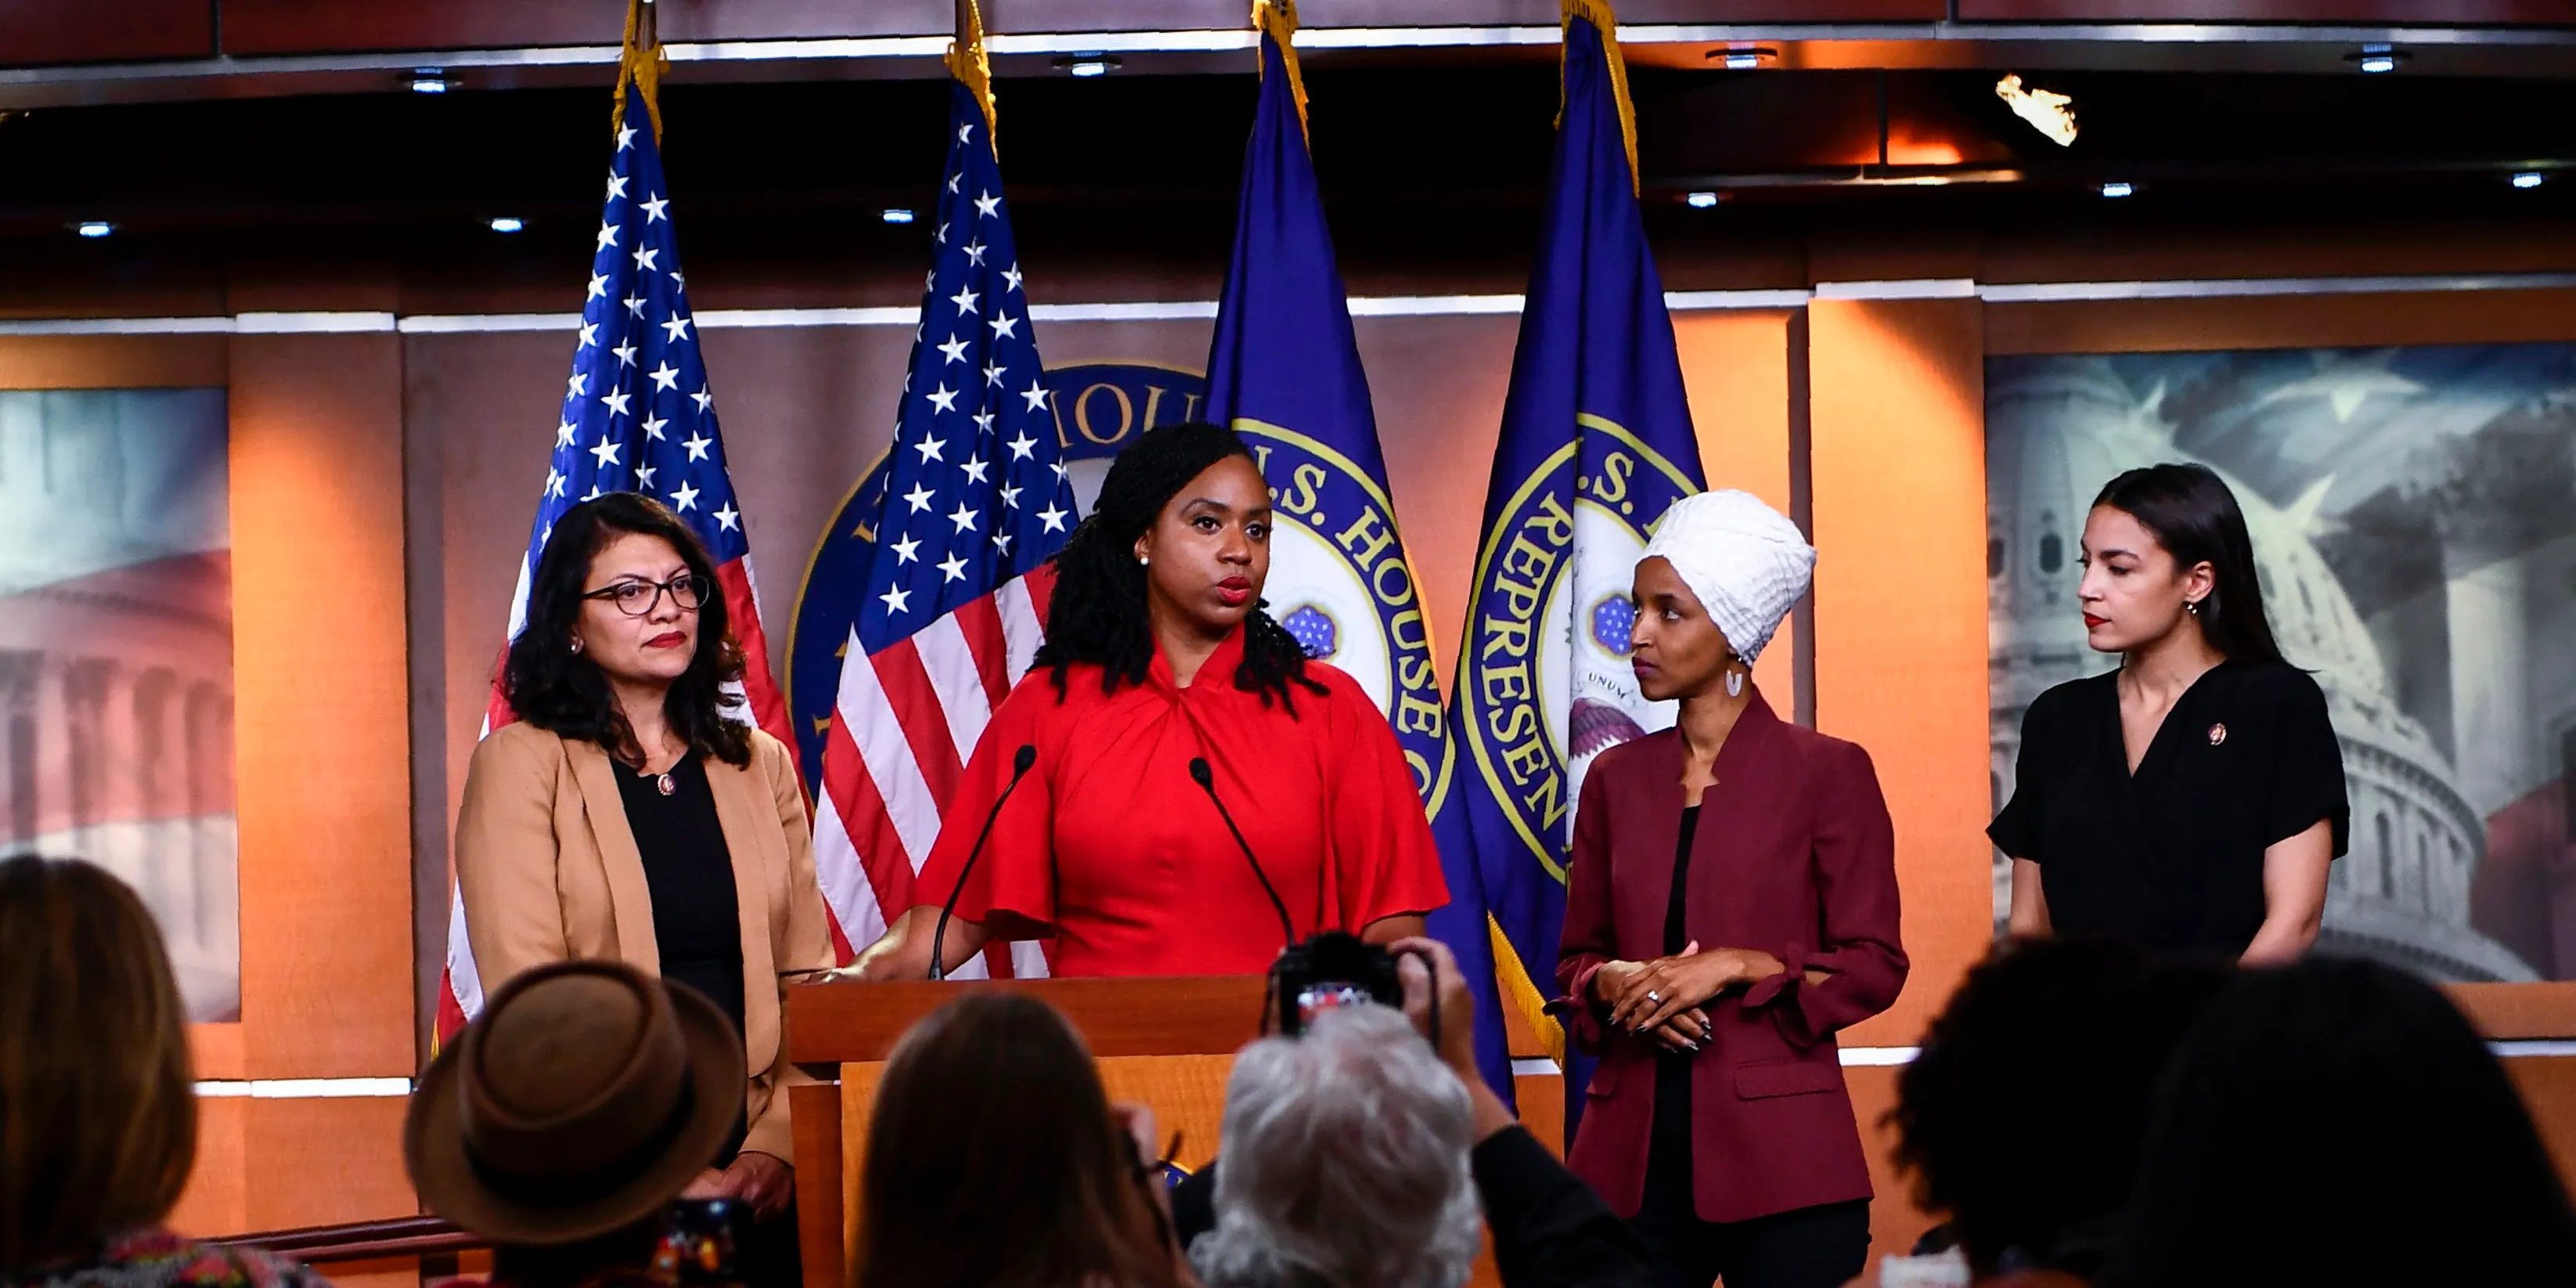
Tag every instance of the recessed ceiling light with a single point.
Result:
(2527, 179)
(895, 215)
(2117, 188)
(430, 80)
(1087, 65)
(94, 228)
(1701, 200)
(508, 223)
(2375, 59)
(1742, 58)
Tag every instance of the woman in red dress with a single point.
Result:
(1159, 658)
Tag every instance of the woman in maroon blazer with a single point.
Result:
(1730, 905)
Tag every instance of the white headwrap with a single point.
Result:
(1747, 563)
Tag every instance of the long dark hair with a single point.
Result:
(2340, 1122)
(1098, 614)
(98, 1108)
(565, 693)
(991, 1117)
(2196, 519)
(2067, 1032)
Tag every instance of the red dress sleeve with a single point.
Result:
(1010, 892)
(1382, 861)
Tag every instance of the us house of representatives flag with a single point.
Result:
(1596, 444)
(1284, 372)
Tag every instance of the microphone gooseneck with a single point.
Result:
(1206, 779)
(1021, 760)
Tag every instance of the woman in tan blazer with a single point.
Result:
(628, 816)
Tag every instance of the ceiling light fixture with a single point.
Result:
(2049, 112)
(1701, 200)
(2527, 179)
(1742, 58)
(2118, 188)
(1087, 65)
(2375, 59)
(430, 80)
(508, 223)
(94, 228)
(895, 215)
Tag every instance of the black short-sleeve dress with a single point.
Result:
(2172, 857)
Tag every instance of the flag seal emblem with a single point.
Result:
(1526, 593)
(1336, 558)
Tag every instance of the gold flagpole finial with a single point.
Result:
(1277, 19)
(643, 63)
(969, 64)
(1597, 12)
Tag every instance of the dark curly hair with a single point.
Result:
(1098, 613)
(565, 693)
(2025, 1112)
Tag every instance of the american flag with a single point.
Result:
(637, 417)
(972, 502)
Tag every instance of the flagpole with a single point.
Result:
(968, 63)
(1598, 13)
(642, 61)
(1277, 19)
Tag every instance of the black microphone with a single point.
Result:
(1026, 756)
(1207, 782)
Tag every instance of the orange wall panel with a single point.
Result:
(323, 708)
(1897, 465)
(324, 1162)
(1735, 370)
(213, 1203)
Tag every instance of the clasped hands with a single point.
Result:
(1663, 998)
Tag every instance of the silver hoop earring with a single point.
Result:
(1735, 684)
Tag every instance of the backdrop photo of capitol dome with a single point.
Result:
(2413, 513)
(116, 657)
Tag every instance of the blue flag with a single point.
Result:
(1596, 443)
(1285, 373)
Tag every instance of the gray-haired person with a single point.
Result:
(1361, 1156)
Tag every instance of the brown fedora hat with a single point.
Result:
(587, 1095)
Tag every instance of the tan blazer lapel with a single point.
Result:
(630, 899)
(752, 837)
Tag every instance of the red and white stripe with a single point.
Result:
(460, 993)
(904, 723)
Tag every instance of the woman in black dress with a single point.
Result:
(2193, 799)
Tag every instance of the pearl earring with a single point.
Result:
(576, 644)
(1144, 561)
(2192, 607)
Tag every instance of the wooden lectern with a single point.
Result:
(1168, 1043)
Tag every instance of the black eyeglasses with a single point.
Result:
(639, 598)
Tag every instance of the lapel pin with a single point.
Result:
(2217, 735)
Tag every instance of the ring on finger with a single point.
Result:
(1653, 996)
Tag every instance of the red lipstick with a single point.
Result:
(667, 639)
(1235, 592)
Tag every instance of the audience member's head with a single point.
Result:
(98, 1108)
(565, 1119)
(2339, 1122)
(1346, 1162)
(2023, 1115)
(995, 1161)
